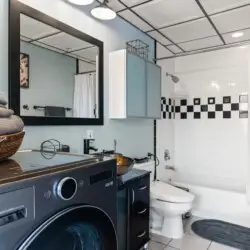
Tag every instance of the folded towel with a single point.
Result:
(54, 111)
(2, 101)
(11, 125)
(6, 112)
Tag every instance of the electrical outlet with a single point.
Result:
(90, 134)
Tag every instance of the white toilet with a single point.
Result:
(167, 205)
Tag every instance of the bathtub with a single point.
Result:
(216, 198)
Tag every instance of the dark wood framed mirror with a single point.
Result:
(55, 70)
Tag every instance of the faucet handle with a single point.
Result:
(170, 168)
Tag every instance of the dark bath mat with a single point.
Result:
(222, 232)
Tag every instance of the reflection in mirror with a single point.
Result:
(58, 73)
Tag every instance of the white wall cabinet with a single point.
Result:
(134, 87)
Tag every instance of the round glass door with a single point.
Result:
(77, 228)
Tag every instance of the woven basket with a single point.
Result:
(9, 144)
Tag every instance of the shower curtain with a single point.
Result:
(85, 95)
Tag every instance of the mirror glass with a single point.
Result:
(58, 73)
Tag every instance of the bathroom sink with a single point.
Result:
(124, 164)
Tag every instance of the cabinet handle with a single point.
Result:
(143, 211)
(142, 188)
(141, 235)
(133, 196)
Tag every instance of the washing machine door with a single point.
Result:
(76, 228)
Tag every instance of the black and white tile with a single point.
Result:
(225, 107)
(167, 108)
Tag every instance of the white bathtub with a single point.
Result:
(217, 198)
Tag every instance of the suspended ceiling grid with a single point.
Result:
(184, 26)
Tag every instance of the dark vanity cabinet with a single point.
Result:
(133, 212)
(139, 214)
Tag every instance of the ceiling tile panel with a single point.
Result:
(189, 31)
(213, 6)
(229, 39)
(232, 20)
(65, 42)
(132, 18)
(202, 43)
(160, 38)
(116, 5)
(86, 67)
(25, 39)
(133, 2)
(42, 45)
(161, 13)
(34, 29)
(175, 49)
(89, 53)
(161, 51)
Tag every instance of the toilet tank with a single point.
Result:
(149, 166)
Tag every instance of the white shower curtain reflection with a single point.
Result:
(84, 95)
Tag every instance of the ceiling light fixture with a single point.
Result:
(103, 12)
(81, 2)
(237, 34)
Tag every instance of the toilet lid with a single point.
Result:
(166, 192)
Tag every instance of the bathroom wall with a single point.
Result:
(134, 136)
(51, 80)
(165, 127)
(3, 48)
(209, 142)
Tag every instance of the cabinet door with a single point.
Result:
(136, 86)
(139, 214)
(153, 91)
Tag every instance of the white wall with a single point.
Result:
(51, 80)
(213, 147)
(209, 148)
(3, 49)
(165, 127)
(134, 137)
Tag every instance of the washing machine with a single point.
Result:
(57, 201)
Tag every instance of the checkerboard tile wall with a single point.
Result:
(225, 107)
(167, 108)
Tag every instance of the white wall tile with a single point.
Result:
(165, 127)
(211, 147)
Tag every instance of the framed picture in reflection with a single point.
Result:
(24, 70)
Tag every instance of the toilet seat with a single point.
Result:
(168, 193)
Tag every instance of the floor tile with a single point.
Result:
(170, 248)
(155, 246)
(160, 239)
(190, 242)
(216, 246)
